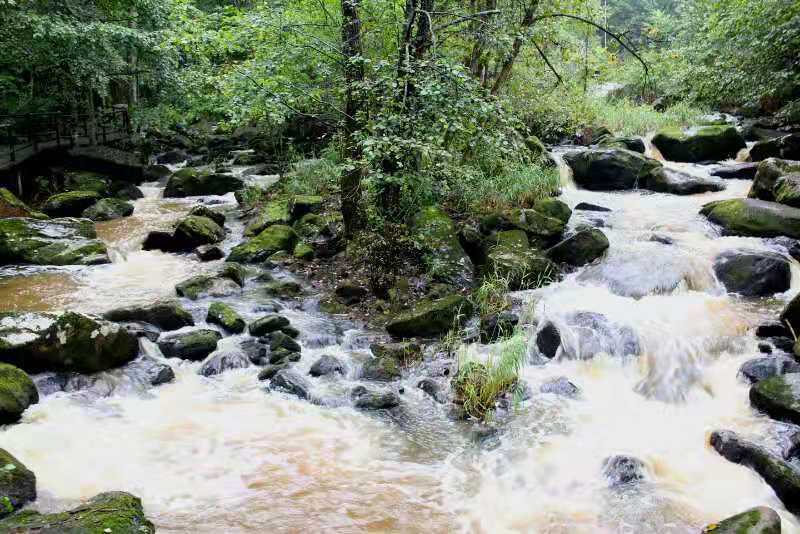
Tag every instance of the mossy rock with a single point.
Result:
(304, 204)
(756, 218)
(303, 251)
(579, 249)
(552, 207)
(274, 239)
(17, 392)
(704, 143)
(205, 211)
(404, 352)
(521, 269)
(191, 182)
(107, 209)
(267, 324)
(194, 345)
(273, 212)
(759, 520)
(111, 512)
(444, 257)
(778, 397)
(536, 147)
(51, 242)
(283, 289)
(428, 318)
(381, 368)
(165, 314)
(70, 204)
(87, 181)
(193, 231)
(225, 316)
(610, 169)
(17, 485)
(768, 173)
(635, 144)
(11, 206)
(226, 282)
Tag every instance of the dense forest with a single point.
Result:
(399, 266)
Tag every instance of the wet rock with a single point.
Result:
(790, 316)
(767, 175)
(301, 205)
(548, 340)
(740, 171)
(785, 344)
(189, 182)
(623, 470)
(371, 399)
(114, 511)
(634, 144)
(322, 233)
(267, 324)
(787, 190)
(582, 335)
(753, 273)
(160, 240)
(579, 249)
(172, 157)
(70, 204)
(154, 173)
(428, 318)
(553, 207)
(609, 169)
(273, 212)
(663, 239)
(586, 206)
(759, 520)
(543, 228)
(49, 383)
(404, 352)
(765, 348)
(157, 373)
(780, 475)
(291, 382)
(662, 180)
(280, 340)
(165, 314)
(512, 259)
(208, 213)
(223, 360)
(17, 392)
(444, 258)
(125, 191)
(193, 231)
(759, 369)
(273, 239)
(561, 386)
(384, 369)
(756, 218)
(140, 329)
(349, 293)
(791, 246)
(51, 242)
(209, 253)
(256, 350)
(778, 397)
(66, 341)
(704, 143)
(17, 484)
(433, 389)
(327, 365)
(107, 209)
(497, 326)
(772, 329)
(193, 345)
(11, 206)
(283, 289)
(303, 251)
(786, 147)
(225, 316)
(229, 280)
(270, 370)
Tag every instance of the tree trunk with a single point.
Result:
(350, 180)
(92, 119)
(505, 70)
(133, 83)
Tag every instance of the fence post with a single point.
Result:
(12, 142)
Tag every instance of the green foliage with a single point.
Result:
(492, 295)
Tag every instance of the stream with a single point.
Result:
(221, 454)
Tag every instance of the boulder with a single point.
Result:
(303, 251)
(403, 352)
(498, 326)
(772, 329)
(739, 171)
(349, 293)
(270, 370)
(291, 382)
(434, 389)
(327, 365)
(125, 191)
(582, 335)
(193, 345)
(52, 242)
(759, 369)
(114, 511)
(171, 157)
(767, 175)
(273, 239)
(753, 273)
(623, 470)
(370, 399)
(165, 314)
(322, 233)
(704, 143)
(225, 316)
(759, 520)
(190, 182)
(17, 484)
(512, 259)
(17, 392)
(779, 474)
(756, 218)
(301, 205)
(273, 212)
(107, 209)
(193, 231)
(579, 249)
(586, 206)
(561, 386)
(634, 144)
(205, 211)
(223, 360)
(552, 207)
(786, 147)
(778, 397)
(69, 204)
(156, 372)
(209, 253)
(229, 280)
(381, 368)
(267, 324)
(442, 254)
(428, 318)
(609, 169)
(663, 180)
(787, 190)
(279, 340)
(11, 206)
(283, 289)
(154, 173)
(67, 341)
(542, 228)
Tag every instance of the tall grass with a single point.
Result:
(492, 295)
(624, 117)
(313, 176)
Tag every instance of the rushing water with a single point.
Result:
(222, 455)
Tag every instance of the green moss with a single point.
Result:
(69, 204)
(699, 144)
(274, 212)
(107, 209)
(274, 239)
(17, 484)
(429, 318)
(787, 190)
(87, 181)
(304, 204)
(444, 258)
(759, 520)
(755, 218)
(195, 230)
(11, 206)
(552, 207)
(190, 182)
(17, 392)
(225, 316)
(303, 251)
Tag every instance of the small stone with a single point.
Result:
(369, 399)
(209, 253)
(327, 365)
(623, 470)
(267, 324)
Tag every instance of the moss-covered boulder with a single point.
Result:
(704, 143)
(165, 314)
(111, 512)
(321, 232)
(403, 352)
(273, 239)
(193, 231)
(756, 218)
(663, 180)
(787, 190)
(70, 204)
(267, 324)
(194, 345)
(303, 251)
(273, 212)
(191, 182)
(553, 207)
(430, 317)
(634, 144)
(227, 281)
(303, 204)
(791, 315)
(759, 520)
(51, 242)
(107, 209)
(778, 397)
(444, 258)
(17, 392)
(68, 341)
(86, 181)
(225, 316)
(205, 211)
(17, 485)
(767, 175)
(511, 258)
(610, 169)
(753, 273)
(11, 206)
(581, 248)
(541, 228)
(786, 147)
(381, 368)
